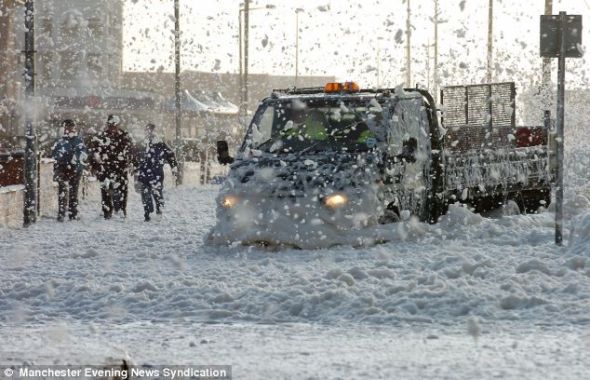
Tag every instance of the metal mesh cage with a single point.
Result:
(486, 105)
(478, 116)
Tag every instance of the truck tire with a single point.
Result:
(484, 204)
(511, 207)
(390, 215)
(533, 200)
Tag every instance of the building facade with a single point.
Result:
(10, 71)
(79, 45)
(79, 75)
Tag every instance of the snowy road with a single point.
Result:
(93, 289)
(310, 351)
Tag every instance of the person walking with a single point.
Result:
(111, 156)
(69, 153)
(150, 158)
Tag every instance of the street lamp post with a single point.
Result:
(297, 11)
(435, 72)
(246, 56)
(489, 76)
(30, 198)
(244, 53)
(408, 46)
(178, 94)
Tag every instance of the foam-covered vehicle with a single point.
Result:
(318, 164)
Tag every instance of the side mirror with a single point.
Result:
(223, 153)
(409, 148)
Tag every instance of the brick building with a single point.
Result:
(10, 72)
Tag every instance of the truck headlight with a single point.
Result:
(229, 201)
(336, 200)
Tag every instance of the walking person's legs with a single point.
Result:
(107, 198)
(124, 194)
(146, 199)
(158, 192)
(74, 184)
(120, 193)
(62, 199)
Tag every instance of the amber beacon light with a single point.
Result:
(333, 87)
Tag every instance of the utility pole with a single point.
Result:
(297, 45)
(178, 93)
(546, 73)
(30, 199)
(243, 35)
(246, 58)
(489, 76)
(435, 72)
(428, 64)
(241, 117)
(378, 65)
(408, 47)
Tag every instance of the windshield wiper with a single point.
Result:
(259, 146)
(307, 149)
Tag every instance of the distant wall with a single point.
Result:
(47, 189)
(11, 206)
(12, 198)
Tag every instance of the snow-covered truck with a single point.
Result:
(317, 163)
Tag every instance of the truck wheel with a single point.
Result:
(535, 199)
(511, 207)
(485, 204)
(391, 215)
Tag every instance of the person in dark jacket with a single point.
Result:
(69, 153)
(150, 157)
(111, 156)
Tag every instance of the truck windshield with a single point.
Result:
(312, 124)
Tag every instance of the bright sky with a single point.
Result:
(351, 39)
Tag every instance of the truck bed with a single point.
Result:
(490, 169)
(484, 150)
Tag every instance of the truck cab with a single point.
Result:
(318, 162)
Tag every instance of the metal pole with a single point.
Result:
(408, 47)
(546, 78)
(428, 64)
(178, 93)
(296, 47)
(490, 40)
(246, 55)
(241, 75)
(378, 65)
(30, 198)
(435, 73)
(560, 131)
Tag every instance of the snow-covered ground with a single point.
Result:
(471, 297)
(127, 271)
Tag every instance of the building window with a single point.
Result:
(46, 63)
(94, 65)
(95, 27)
(47, 27)
(73, 28)
(70, 65)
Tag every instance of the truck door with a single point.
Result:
(409, 146)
